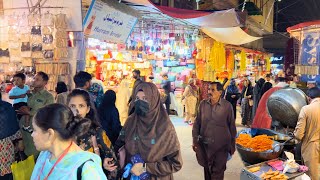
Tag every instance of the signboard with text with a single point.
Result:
(106, 23)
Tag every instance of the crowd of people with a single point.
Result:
(78, 133)
(248, 93)
(81, 134)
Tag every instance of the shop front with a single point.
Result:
(39, 39)
(155, 46)
(216, 61)
(306, 61)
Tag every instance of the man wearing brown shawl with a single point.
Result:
(150, 133)
(214, 133)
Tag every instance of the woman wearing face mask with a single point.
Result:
(95, 140)
(246, 102)
(149, 138)
(54, 129)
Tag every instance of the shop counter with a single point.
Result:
(260, 170)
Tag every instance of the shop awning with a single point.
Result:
(218, 19)
(302, 25)
(231, 35)
(223, 26)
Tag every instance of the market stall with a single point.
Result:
(306, 51)
(216, 61)
(274, 151)
(111, 62)
(39, 39)
(153, 43)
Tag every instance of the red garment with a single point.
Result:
(203, 85)
(262, 118)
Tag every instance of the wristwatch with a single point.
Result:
(144, 168)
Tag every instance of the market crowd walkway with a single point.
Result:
(191, 169)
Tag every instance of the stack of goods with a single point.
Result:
(47, 31)
(56, 71)
(25, 35)
(4, 49)
(276, 175)
(61, 37)
(30, 37)
(256, 144)
(310, 70)
(13, 37)
(36, 36)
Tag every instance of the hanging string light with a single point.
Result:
(244, 5)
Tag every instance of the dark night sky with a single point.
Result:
(292, 12)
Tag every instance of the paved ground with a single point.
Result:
(191, 169)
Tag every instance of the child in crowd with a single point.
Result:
(20, 98)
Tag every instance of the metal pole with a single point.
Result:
(269, 13)
(277, 9)
(28, 5)
(49, 7)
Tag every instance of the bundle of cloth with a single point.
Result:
(127, 170)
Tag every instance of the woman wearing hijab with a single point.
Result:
(232, 95)
(257, 95)
(62, 93)
(246, 102)
(9, 132)
(149, 137)
(96, 90)
(190, 96)
(123, 96)
(266, 86)
(109, 116)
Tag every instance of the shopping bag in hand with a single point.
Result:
(23, 170)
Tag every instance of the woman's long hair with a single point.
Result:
(61, 87)
(92, 115)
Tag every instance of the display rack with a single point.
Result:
(57, 71)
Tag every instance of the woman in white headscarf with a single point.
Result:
(123, 96)
(190, 96)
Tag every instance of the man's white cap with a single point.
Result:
(311, 82)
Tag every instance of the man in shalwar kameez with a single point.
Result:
(214, 133)
(308, 131)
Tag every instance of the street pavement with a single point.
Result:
(191, 169)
